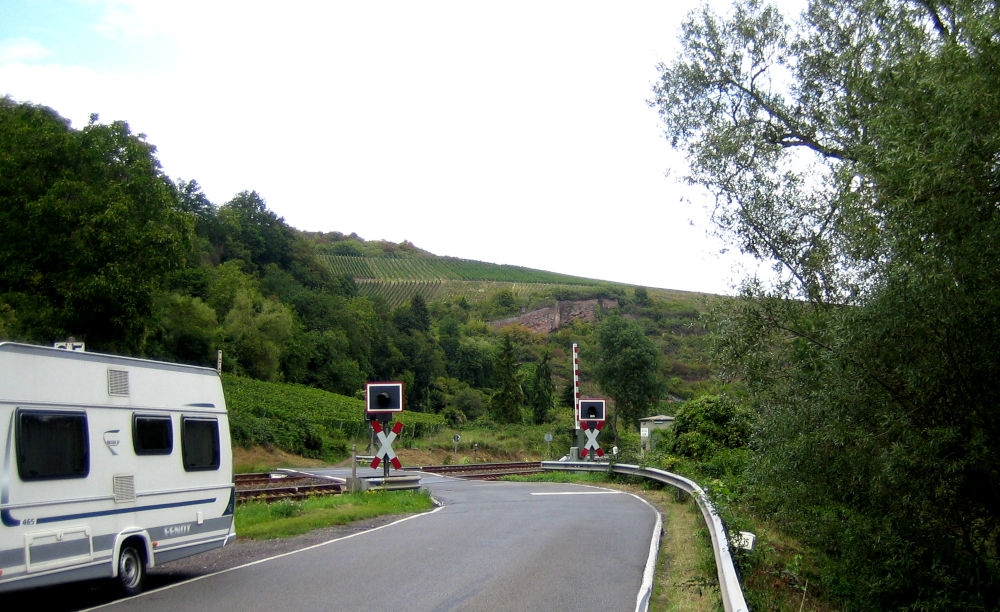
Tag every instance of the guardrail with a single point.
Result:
(729, 583)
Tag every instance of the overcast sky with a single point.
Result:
(509, 132)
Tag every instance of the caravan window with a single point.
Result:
(200, 443)
(152, 435)
(52, 445)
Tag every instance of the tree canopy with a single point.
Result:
(857, 149)
(627, 369)
(506, 403)
(88, 227)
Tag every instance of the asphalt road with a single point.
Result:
(491, 546)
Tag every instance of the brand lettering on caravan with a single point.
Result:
(111, 440)
(177, 530)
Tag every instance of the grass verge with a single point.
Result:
(283, 519)
(686, 577)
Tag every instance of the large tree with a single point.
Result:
(542, 390)
(88, 228)
(627, 367)
(858, 151)
(506, 403)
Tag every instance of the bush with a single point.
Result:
(454, 417)
(706, 425)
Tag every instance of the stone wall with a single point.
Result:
(546, 320)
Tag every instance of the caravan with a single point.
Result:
(109, 465)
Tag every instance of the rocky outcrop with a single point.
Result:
(546, 320)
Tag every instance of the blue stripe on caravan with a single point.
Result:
(10, 521)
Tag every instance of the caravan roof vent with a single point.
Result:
(118, 382)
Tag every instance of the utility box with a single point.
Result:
(652, 428)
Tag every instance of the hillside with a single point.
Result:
(541, 302)
(179, 278)
(303, 420)
(396, 273)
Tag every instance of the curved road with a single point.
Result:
(491, 546)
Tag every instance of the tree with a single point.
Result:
(857, 152)
(253, 233)
(88, 228)
(257, 331)
(506, 402)
(185, 329)
(413, 317)
(424, 360)
(708, 424)
(627, 365)
(542, 391)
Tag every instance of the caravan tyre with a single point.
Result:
(131, 570)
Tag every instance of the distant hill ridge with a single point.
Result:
(398, 271)
(433, 267)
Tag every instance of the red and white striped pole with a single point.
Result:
(576, 385)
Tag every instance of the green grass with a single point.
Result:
(261, 521)
(515, 442)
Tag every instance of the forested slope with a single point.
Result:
(96, 242)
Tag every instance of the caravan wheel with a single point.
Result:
(131, 570)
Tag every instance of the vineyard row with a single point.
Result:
(439, 269)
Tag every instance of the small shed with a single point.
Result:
(651, 429)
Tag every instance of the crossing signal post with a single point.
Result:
(382, 401)
(578, 432)
(592, 418)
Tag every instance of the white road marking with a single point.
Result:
(579, 493)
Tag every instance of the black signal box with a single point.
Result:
(592, 410)
(382, 399)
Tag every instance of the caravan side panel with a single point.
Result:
(101, 450)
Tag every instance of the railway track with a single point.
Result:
(483, 471)
(273, 487)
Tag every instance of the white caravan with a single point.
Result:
(110, 465)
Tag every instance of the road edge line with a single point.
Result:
(266, 559)
(649, 574)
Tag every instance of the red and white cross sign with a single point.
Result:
(385, 451)
(592, 444)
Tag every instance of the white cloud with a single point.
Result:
(22, 50)
(512, 132)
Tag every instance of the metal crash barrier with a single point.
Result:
(378, 483)
(729, 583)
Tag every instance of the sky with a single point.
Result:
(514, 132)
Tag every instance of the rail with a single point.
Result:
(482, 471)
(729, 582)
(285, 484)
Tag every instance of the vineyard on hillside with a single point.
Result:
(400, 291)
(399, 279)
(443, 268)
(304, 420)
